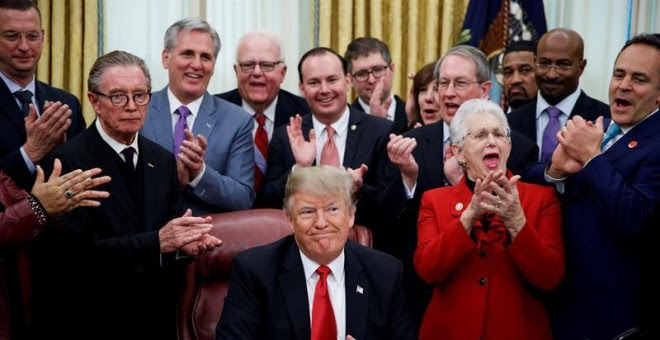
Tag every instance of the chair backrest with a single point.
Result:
(207, 279)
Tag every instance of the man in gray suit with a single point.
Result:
(210, 137)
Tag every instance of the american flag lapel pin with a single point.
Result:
(359, 290)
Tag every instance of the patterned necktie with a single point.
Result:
(181, 124)
(329, 154)
(323, 317)
(260, 150)
(128, 157)
(25, 97)
(550, 134)
(612, 131)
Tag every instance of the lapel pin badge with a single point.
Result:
(353, 127)
(632, 144)
(150, 165)
(208, 125)
(459, 206)
(359, 290)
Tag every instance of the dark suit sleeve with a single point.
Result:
(279, 167)
(14, 165)
(242, 308)
(401, 325)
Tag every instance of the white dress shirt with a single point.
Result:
(542, 117)
(269, 112)
(336, 281)
(117, 146)
(341, 130)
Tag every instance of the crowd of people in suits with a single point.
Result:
(531, 218)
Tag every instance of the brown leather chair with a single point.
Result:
(207, 279)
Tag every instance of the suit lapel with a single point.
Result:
(161, 119)
(206, 117)
(104, 157)
(635, 138)
(357, 295)
(353, 134)
(154, 178)
(433, 154)
(294, 291)
(529, 122)
(10, 108)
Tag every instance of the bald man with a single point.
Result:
(559, 64)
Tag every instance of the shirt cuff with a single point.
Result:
(198, 179)
(558, 182)
(27, 161)
(410, 192)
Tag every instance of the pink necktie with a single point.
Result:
(323, 317)
(329, 154)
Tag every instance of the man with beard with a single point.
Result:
(559, 64)
(518, 74)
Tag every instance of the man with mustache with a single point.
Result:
(518, 74)
(559, 64)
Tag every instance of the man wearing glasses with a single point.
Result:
(116, 268)
(260, 71)
(423, 156)
(56, 114)
(210, 137)
(372, 70)
(559, 65)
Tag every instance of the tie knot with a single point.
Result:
(24, 96)
(261, 118)
(613, 129)
(330, 131)
(553, 112)
(323, 272)
(128, 153)
(183, 111)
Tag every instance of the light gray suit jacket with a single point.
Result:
(229, 176)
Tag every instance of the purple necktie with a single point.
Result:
(550, 134)
(180, 125)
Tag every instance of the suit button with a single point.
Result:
(482, 281)
(483, 253)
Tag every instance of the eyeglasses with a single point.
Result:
(120, 99)
(459, 85)
(377, 71)
(265, 66)
(562, 65)
(483, 134)
(13, 36)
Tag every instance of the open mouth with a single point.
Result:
(491, 161)
(257, 84)
(193, 75)
(622, 104)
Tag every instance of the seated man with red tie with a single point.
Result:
(316, 284)
(210, 137)
(333, 134)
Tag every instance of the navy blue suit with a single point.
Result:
(400, 117)
(12, 127)
(611, 210)
(267, 297)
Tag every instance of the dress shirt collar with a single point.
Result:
(445, 133)
(566, 105)
(336, 266)
(193, 106)
(390, 110)
(340, 126)
(269, 112)
(115, 145)
(13, 86)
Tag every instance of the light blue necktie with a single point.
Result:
(612, 131)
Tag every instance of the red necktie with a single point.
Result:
(260, 151)
(323, 318)
(329, 154)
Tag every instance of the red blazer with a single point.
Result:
(486, 288)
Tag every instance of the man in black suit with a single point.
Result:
(372, 70)
(56, 115)
(461, 74)
(113, 271)
(260, 71)
(358, 141)
(559, 64)
(518, 79)
(316, 276)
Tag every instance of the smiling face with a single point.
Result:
(559, 48)
(259, 88)
(457, 68)
(325, 86)
(19, 57)
(486, 146)
(635, 85)
(190, 65)
(427, 100)
(120, 123)
(320, 224)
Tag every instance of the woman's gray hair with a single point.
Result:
(458, 129)
(112, 59)
(191, 24)
(469, 53)
(319, 180)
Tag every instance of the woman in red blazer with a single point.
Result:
(489, 244)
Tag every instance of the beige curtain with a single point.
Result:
(416, 31)
(70, 46)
